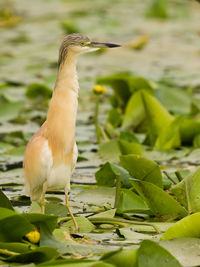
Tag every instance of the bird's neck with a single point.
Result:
(67, 75)
(61, 118)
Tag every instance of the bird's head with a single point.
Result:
(77, 43)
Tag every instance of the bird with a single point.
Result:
(51, 153)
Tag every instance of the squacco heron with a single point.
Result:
(51, 153)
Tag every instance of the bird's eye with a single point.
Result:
(82, 43)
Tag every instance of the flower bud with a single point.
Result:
(99, 89)
(33, 236)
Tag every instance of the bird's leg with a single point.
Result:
(42, 201)
(69, 210)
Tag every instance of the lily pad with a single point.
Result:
(152, 254)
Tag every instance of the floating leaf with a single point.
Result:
(85, 226)
(130, 234)
(186, 250)
(70, 27)
(158, 9)
(56, 209)
(142, 168)
(152, 254)
(37, 90)
(9, 110)
(101, 195)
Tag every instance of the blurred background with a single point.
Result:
(161, 42)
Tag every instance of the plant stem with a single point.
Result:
(8, 252)
(117, 192)
(96, 120)
(179, 176)
(121, 222)
(118, 221)
(170, 178)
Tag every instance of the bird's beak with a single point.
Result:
(101, 45)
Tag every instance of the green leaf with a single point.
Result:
(8, 222)
(114, 117)
(5, 202)
(174, 100)
(186, 227)
(37, 90)
(109, 151)
(120, 83)
(142, 168)
(169, 136)
(134, 236)
(158, 117)
(56, 209)
(105, 214)
(100, 196)
(152, 254)
(37, 255)
(122, 257)
(196, 141)
(106, 176)
(77, 263)
(4, 147)
(50, 221)
(159, 202)
(158, 9)
(187, 192)
(134, 112)
(130, 202)
(16, 247)
(9, 110)
(129, 147)
(138, 83)
(85, 226)
(128, 136)
(186, 250)
(188, 130)
(70, 27)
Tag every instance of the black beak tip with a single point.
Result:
(112, 45)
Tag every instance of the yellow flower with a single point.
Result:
(33, 236)
(99, 89)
